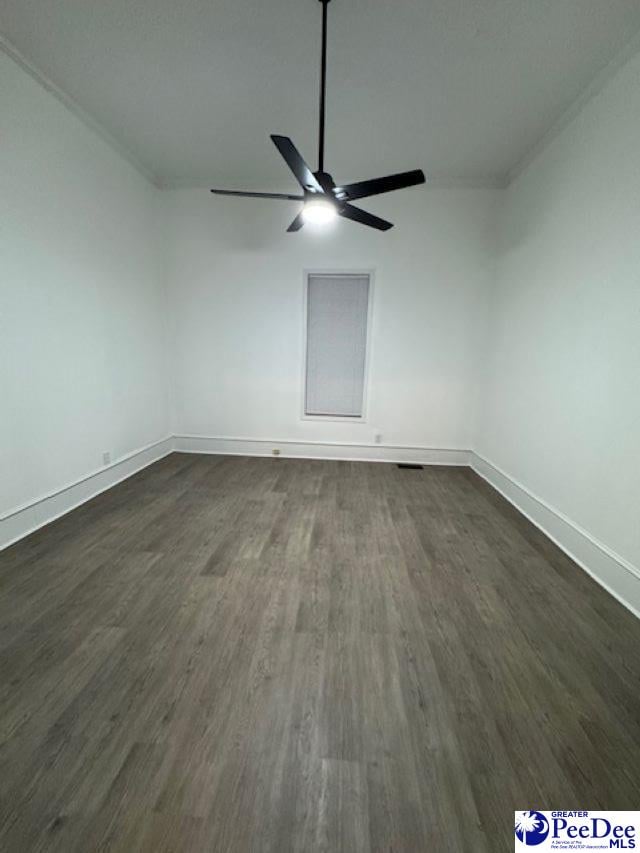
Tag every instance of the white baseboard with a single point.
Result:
(25, 519)
(618, 576)
(290, 449)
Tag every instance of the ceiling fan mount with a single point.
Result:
(319, 190)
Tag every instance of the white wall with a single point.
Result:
(81, 298)
(524, 343)
(237, 313)
(562, 397)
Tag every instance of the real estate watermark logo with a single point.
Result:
(576, 830)
(532, 828)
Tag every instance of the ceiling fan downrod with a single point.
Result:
(322, 199)
(323, 85)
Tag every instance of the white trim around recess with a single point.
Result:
(23, 520)
(341, 273)
(618, 576)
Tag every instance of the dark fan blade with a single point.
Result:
(303, 173)
(364, 218)
(381, 185)
(259, 195)
(297, 223)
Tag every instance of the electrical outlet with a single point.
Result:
(106, 457)
(275, 452)
(377, 437)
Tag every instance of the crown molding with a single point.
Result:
(451, 182)
(74, 107)
(597, 85)
(10, 50)
(496, 182)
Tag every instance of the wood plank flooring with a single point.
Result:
(233, 654)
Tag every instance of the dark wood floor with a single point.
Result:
(230, 654)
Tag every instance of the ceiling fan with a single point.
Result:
(322, 198)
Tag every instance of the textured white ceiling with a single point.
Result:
(460, 88)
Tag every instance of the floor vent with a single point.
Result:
(410, 466)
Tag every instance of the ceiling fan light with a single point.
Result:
(319, 212)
